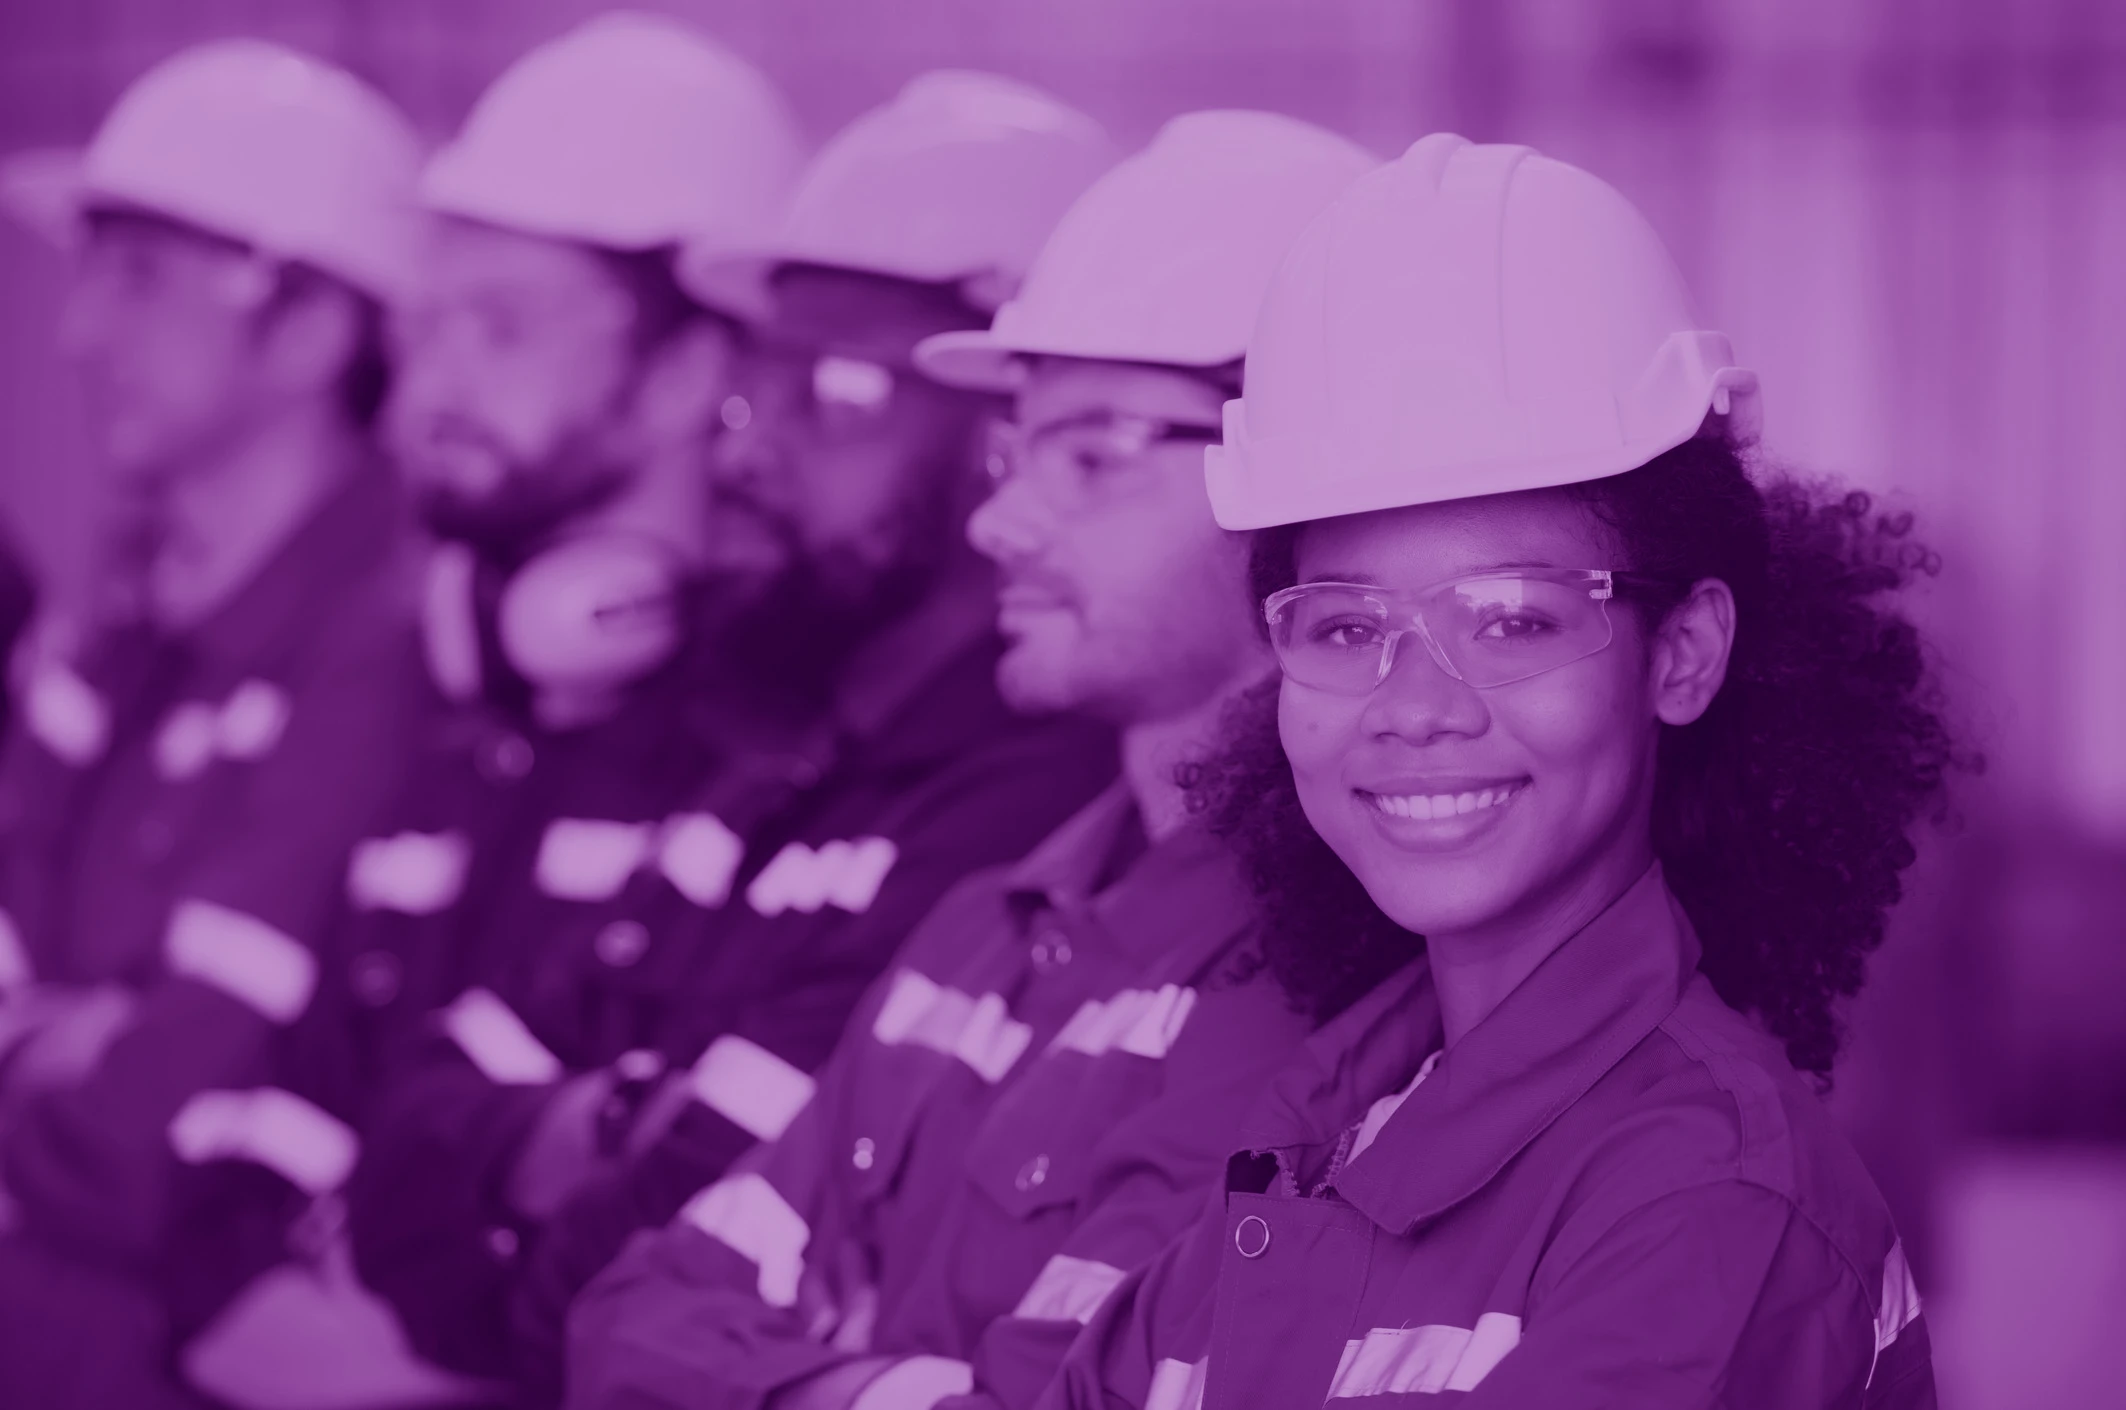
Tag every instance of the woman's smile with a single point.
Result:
(1433, 815)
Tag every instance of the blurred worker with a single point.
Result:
(1043, 1090)
(753, 916)
(555, 394)
(197, 755)
(1570, 694)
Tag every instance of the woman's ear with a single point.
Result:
(1691, 650)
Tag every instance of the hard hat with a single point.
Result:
(631, 132)
(1166, 258)
(255, 142)
(957, 180)
(1467, 320)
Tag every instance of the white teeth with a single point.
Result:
(1427, 807)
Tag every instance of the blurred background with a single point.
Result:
(1911, 216)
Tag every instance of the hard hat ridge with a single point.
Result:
(1467, 320)
(957, 181)
(1164, 259)
(632, 132)
(253, 141)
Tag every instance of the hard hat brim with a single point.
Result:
(43, 190)
(980, 360)
(1258, 483)
(732, 282)
(974, 359)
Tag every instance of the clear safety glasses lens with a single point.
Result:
(1485, 631)
(1071, 457)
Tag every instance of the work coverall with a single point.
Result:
(1613, 1191)
(175, 814)
(748, 922)
(1037, 1097)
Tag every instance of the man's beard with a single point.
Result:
(534, 501)
(800, 625)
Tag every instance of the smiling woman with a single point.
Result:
(1578, 806)
(1780, 815)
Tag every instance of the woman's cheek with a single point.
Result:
(1317, 731)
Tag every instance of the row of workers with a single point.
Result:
(873, 852)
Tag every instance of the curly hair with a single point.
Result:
(1782, 816)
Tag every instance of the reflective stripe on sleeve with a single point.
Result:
(752, 1087)
(700, 856)
(489, 1033)
(64, 713)
(979, 1032)
(1139, 1021)
(1178, 1385)
(242, 956)
(590, 859)
(1899, 1305)
(916, 1383)
(252, 720)
(1424, 1360)
(748, 1215)
(304, 1144)
(843, 873)
(15, 967)
(1068, 1290)
(413, 873)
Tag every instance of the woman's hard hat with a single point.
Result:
(1467, 320)
(632, 132)
(957, 181)
(1165, 259)
(255, 142)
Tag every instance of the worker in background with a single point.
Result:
(1043, 1089)
(555, 396)
(743, 927)
(1569, 692)
(199, 750)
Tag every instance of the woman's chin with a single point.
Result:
(1434, 900)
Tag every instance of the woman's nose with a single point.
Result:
(1418, 700)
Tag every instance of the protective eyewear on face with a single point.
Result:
(839, 392)
(1073, 457)
(1486, 630)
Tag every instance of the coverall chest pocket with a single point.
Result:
(1290, 1281)
(899, 1085)
(1035, 1151)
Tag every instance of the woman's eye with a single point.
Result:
(1348, 633)
(1512, 627)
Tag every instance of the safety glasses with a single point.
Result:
(1489, 629)
(1074, 459)
(840, 394)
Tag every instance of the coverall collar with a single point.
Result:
(1543, 1048)
(1188, 875)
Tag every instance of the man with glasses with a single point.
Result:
(200, 748)
(717, 951)
(1045, 1086)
